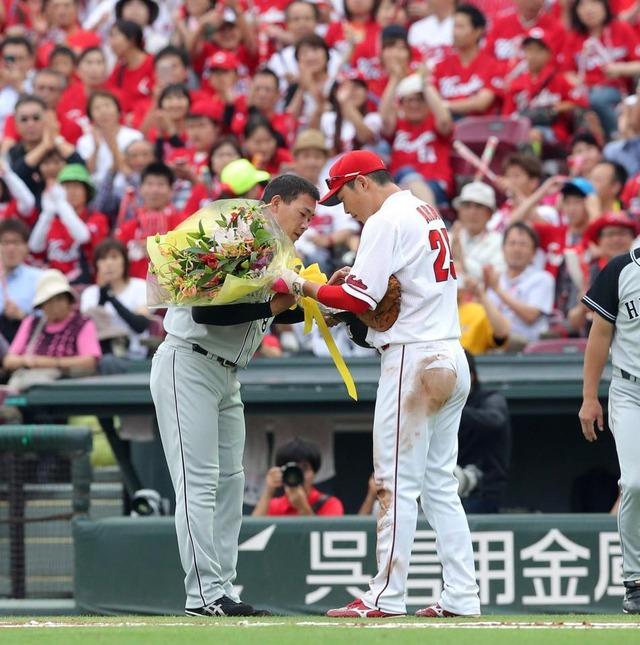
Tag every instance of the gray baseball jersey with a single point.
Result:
(615, 295)
(236, 343)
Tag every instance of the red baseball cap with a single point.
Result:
(222, 60)
(619, 218)
(352, 75)
(539, 35)
(210, 109)
(346, 169)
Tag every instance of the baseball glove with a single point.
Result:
(386, 313)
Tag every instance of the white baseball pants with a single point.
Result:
(415, 453)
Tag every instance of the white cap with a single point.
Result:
(478, 193)
(51, 283)
(411, 84)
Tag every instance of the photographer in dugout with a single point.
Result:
(297, 463)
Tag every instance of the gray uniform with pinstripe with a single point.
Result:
(615, 295)
(196, 394)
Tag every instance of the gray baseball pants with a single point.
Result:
(624, 421)
(201, 421)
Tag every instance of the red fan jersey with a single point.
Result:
(419, 146)
(505, 39)
(545, 91)
(582, 53)
(457, 81)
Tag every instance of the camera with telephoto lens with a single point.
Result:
(292, 474)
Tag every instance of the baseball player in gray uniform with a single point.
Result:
(423, 386)
(196, 394)
(615, 299)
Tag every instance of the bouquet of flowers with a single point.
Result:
(229, 251)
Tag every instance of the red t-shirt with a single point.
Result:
(283, 122)
(193, 158)
(419, 145)
(545, 91)
(457, 81)
(618, 42)
(132, 85)
(134, 232)
(281, 505)
(631, 190)
(553, 241)
(336, 35)
(77, 39)
(73, 102)
(65, 254)
(200, 196)
(9, 210)
(505, 39)
(273, 165)
(366, 59)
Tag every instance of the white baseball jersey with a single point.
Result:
(418, 254)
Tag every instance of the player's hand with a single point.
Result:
(273, 479)
(590, 412)
(281, 302)
(339, 276)
(289, 282)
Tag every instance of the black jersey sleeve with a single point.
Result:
(224, 315)
(603, 296)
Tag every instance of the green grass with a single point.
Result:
(292, 630)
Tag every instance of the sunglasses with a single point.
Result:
(332, 181)
(29, 117)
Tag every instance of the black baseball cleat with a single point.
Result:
(224, 606)
(631, 602)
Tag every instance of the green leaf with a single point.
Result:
(201, 227)
(196, 272)
(203, 280)
(194, 249)
(176, 270)
(262, 236)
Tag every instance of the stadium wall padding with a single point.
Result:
(530, 563)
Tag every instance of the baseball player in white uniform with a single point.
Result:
(423, 385)
(615, 299)
(196, 394)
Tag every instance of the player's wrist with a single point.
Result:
(297, 286)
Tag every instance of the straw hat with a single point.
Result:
(51, 283)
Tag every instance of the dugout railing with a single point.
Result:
(45, 481)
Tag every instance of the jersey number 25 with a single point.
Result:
(443, 267)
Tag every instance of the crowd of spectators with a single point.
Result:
(119, 119)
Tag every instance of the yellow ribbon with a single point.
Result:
(312, 312)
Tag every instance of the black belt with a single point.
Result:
(629, 377)
(223, 361)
